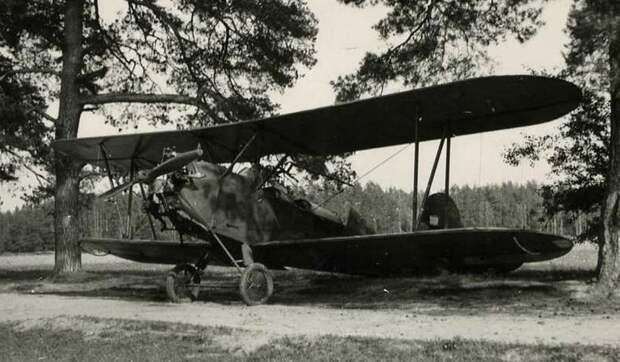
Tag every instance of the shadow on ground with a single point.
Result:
(553, 288)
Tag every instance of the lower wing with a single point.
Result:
(364, 254)
(392, 253)
(147, 251)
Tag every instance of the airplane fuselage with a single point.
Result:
(231, 205)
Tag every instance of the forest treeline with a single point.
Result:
(30, 228)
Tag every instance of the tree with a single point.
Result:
(609, 259)
(23, 127)
(584, 156)
(217, 60)
(429, 41)
(579, 159)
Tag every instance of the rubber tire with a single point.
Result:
(245, 284)
(182, 273)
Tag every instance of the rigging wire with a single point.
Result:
(367, 173)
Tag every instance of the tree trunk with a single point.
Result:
(609, 252)
(68, 254)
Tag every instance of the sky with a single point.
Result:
(345, 35)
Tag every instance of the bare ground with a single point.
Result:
(278, 320)
(543, 303)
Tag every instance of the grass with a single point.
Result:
(546, 289)
(106, 340)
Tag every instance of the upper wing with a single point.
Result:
(469, 106)
(389, 253)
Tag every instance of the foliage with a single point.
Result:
(24, 133)
(27, 229)
(506, 205)
(578, 156)
(436, 40)
(222, 57)
(227, 55)
(579, 153)
(388, 211)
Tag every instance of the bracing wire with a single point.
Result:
(367, 172)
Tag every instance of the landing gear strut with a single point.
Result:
(256, 283)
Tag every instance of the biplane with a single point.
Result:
(245, 220)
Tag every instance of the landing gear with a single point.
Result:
(183, 283)
(256, 284)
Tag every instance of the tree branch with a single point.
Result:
(30, 71)
(44, 115)
(426, 19)
(39, 177)
(141, 98)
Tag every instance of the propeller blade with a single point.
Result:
(117, 190)
(172, 164)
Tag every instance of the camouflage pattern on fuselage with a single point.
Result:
(231, 206)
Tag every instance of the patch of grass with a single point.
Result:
(374, 349)
(103, 340)
(112, 341)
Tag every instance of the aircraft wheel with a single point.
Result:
(182, 284)
(256, 285)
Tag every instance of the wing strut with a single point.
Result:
(148, 214)
(416, 166)
(132, 167)
(447, 191)
(239, 155)
(430, 178)
(104, 152)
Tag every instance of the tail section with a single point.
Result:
(440, 212)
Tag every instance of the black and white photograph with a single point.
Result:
(309, 180)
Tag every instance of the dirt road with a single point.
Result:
(278, 320)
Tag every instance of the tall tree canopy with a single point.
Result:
(578, 153)
(584, 155)
(23, 131)
(429, 41)
(216, 59)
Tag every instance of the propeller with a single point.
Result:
(148, 176)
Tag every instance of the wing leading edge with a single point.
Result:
(464, 107)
